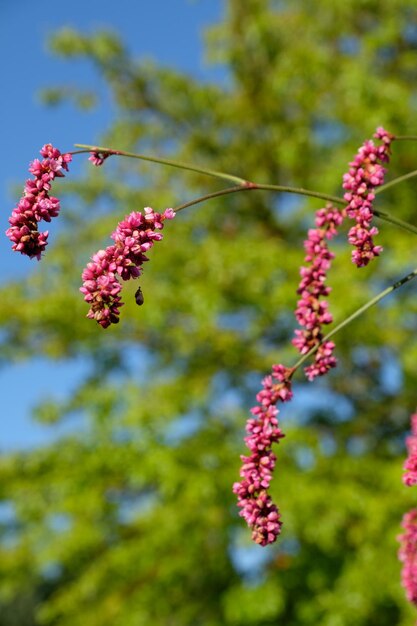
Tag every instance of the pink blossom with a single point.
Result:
(98, 158)
(408, 555)
(257, 507)
(133, 236)
(312, 312)
(365, 174)
(36, 204)
(410, 465)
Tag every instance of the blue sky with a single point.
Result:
(170, 31)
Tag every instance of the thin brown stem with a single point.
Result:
(162, 161)
(257, 187)
(245, 185)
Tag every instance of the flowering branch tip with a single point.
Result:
(36, 204)
(133, 237)
(364, 176)
(257, 507)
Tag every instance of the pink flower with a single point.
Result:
(98, 158)
(365, 174)
(410, 465)
(36, 204)
(257, 508)
(312, 312)
(408, 555)
(133, 236)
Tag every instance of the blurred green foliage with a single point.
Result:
(131, 521)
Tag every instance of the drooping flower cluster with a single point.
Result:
(133, 237)
(408, 555)
(410, 466)
(408, 540)
(312, 311)
(36, 204)
(365, 174)
(257, 508)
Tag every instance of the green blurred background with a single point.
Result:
(129, 519)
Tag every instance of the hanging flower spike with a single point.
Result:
(410, 466)
(408, 540)
(257, 508)
(133, 236)
(407, 554)
(36, 204)
(365, 174)
(312, 312)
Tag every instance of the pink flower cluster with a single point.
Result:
(257, 508)
(36, 204)
(408, 555)
(408, 540)
(410, 466)
(365, 174)
(312, 312)
(133, 237)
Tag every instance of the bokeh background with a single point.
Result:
(119, 447)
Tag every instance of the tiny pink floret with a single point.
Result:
(98, 158)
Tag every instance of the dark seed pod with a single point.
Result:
(139, 296)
